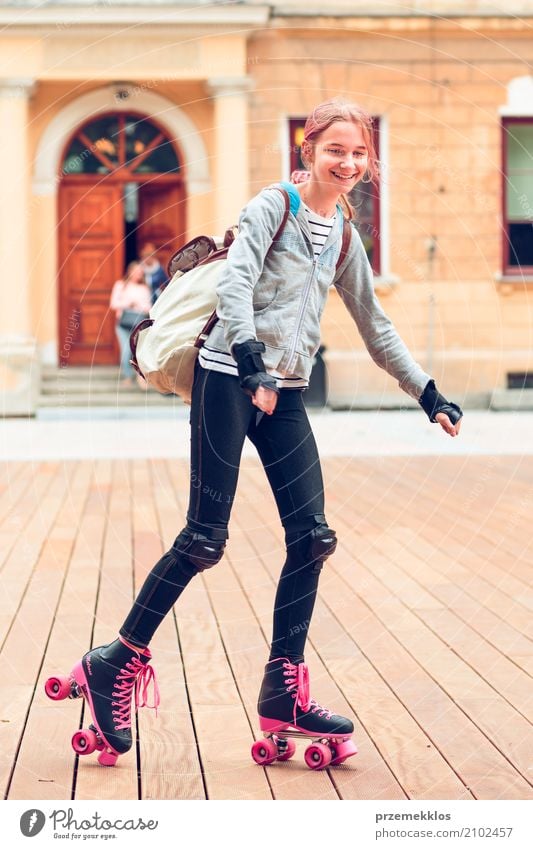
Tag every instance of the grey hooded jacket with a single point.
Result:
(276, 292)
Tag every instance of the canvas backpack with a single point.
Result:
(165, 346)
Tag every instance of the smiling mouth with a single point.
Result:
(344, 176)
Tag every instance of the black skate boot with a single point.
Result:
(286, 710)
(107, 677)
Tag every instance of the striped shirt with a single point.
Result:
(320, 229)
(214, 360)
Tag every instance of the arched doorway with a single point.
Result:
(121, 184)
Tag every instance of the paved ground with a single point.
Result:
(107, 433)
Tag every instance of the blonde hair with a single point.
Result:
(330, 112)
(129, 268)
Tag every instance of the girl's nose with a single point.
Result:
(348, 162)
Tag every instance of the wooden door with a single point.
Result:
(161, 218)
(91, 232)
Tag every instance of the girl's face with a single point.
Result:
(339, 157)
(136, 274)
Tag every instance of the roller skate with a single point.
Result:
(286, 711)
(106, 677)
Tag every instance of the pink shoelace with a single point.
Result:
(297, 678)
(134, 674)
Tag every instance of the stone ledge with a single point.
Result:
(509, 283)
(20, 373)
(512, 399)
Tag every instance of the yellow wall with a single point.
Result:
(438, 87)
(439, 93)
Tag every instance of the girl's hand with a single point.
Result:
(265, 399)
(446, 424)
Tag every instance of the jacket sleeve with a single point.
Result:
(117, 300)
(356, 288)
(258, 224)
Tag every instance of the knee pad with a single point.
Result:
(315, 543)
(322, 542)
(201, 550)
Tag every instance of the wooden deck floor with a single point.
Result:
(422, 632)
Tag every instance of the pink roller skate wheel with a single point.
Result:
(318, 756)
(289, 751)
(84, 742)
(264, 752)
(57, 688)
(341, 751)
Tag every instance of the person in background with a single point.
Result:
(131, 299)
(153, 270)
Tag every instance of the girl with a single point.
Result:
(249, 381)
(131, 299)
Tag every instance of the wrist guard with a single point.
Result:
(251, 368)
(432, 402)
(252, 383)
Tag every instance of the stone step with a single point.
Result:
(87, 373)
(84, 387)
(95, 386)
(124, 398)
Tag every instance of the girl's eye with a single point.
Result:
(338, 152)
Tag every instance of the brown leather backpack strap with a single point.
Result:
(346, 239)
(285, 214)
(134, 338)
(200, 340)
(222, 254)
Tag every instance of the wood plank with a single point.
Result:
(483, 770)
(247, 647)
(113, 600)
(13, 470)
(441, 492)
(452, 674)
(22, 653)
(440, 524)
(498, 652)
(417, 766)
(40, 503)
(47, 771)
(13, 517)
(422, 629)
(366, 776)
(169, 763)
(468, 607)
(222, 728)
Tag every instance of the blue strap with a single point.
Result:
(294, 196)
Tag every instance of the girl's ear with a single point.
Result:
(307, 152)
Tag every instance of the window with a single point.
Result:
(517, 195)
(364, 197)
(120, 141)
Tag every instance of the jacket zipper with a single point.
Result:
(301, 312)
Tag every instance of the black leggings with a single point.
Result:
(221, 417)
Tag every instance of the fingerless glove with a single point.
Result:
(432, 402)
(251, 368)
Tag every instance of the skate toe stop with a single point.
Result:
(107, 758)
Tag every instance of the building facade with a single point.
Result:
(125, 122)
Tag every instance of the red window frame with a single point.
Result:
(368, 225)
(507, 267)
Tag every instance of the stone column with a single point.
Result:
(231, 154)
(19, 367)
